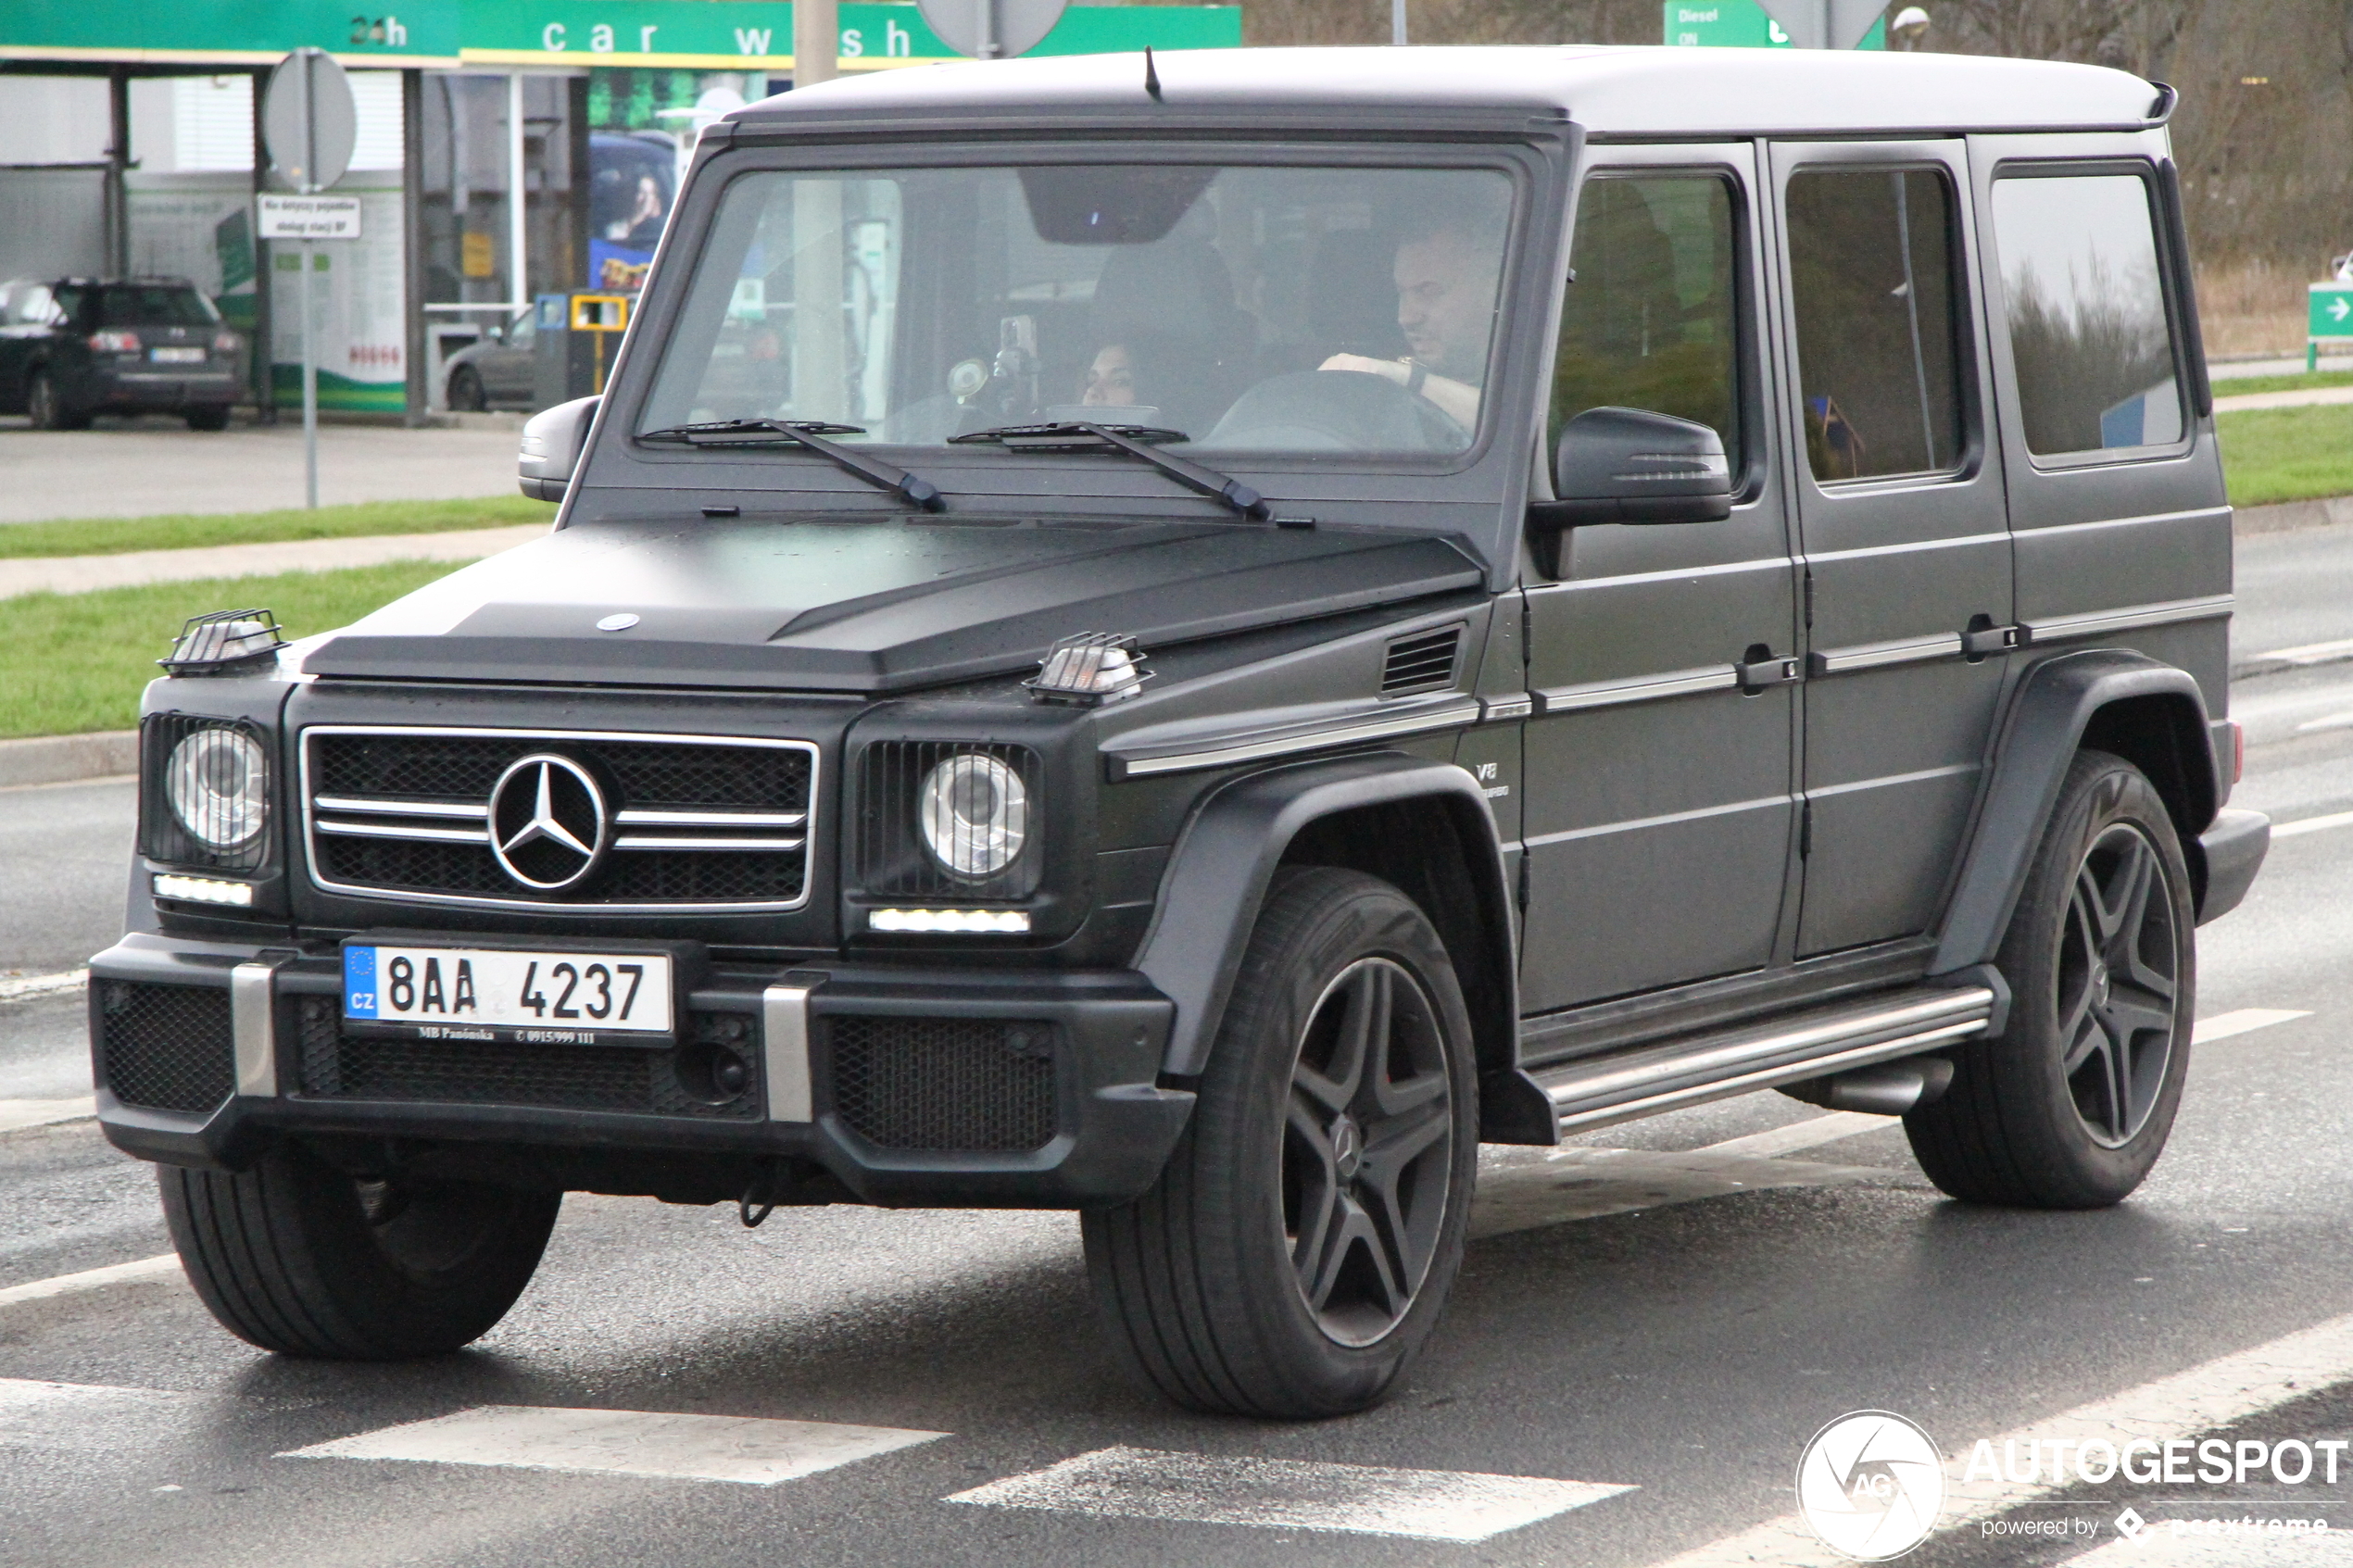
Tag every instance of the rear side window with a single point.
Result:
(141, 305)
(1872, 279)
(1649, 319)
(2086, 306)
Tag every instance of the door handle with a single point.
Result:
(1982, 637)
(1760, 668)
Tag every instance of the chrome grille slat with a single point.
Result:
(390, 812)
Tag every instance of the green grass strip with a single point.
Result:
(110, 536)
(2236, 386)
(2288, 454)
(70, 663)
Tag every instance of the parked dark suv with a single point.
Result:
(72, 347)
(1193, 640)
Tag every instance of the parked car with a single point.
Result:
(1191, 641)
(498, 369)
(73, 347)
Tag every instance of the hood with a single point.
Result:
(867, 606)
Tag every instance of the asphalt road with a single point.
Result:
(1628, 1319)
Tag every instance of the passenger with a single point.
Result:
(1111, 379)
(1168, 378)
(1445, 274)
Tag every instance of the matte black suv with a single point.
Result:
(1192, 640)
(72, 347)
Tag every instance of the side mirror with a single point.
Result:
(1630, 465)
(551, 442)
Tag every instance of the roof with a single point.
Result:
(1628, 91)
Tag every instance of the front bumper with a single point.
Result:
(916, 1086)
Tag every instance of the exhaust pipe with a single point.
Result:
(1887, 1088)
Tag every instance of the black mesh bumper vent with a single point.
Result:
(165, 1047)
(944, 1085)
(619, 1078)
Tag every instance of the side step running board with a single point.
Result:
(1696, 1069)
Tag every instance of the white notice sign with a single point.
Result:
(308, 218)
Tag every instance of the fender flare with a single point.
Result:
(2054, 705)
(1223, 860)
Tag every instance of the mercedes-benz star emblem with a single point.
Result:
(548, 823)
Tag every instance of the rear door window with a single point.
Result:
(2085, 301)
(1648, 321)
(1871, 259)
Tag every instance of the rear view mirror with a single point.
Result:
(1630, 465)
(551, 442)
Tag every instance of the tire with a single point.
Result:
(2072, 1106)
(466, 392)
(297, 1258)
(1196, 1280)
(207, 419)
(47, 409)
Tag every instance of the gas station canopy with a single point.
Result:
(564, 35)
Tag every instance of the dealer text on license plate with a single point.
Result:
(487, 993)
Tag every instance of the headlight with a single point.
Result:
(974, 813)
(218, 782)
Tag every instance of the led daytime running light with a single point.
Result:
(203, 890)
(969, 922)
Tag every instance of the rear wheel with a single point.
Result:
(207, 419)
(1298, 1248)
(298, 1257)
(2070, 1108)
(466, 390)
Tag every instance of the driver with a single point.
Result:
(1445, 275)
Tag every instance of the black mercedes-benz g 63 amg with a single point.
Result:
(1191, 639)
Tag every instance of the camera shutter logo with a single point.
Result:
(1870, 1485)
(548, 823)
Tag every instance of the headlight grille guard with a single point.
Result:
(889, 854)
(163, 838)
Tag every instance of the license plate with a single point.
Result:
(498, 993)
(177, 356)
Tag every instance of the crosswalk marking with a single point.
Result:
(1279, 1494)
(167, 1266)
(2222, 1025)
(85, 1417)
(2311, 825)
(753, 1450)
(18, 1114)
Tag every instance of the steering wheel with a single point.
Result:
(1335, 411)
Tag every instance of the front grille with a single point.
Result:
(944, 1085)
(621, 1078)
(693, 822)
(165, 1047)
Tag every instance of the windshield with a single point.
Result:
(1253, 309)
(153, 305)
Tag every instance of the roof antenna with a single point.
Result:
(1151, 76)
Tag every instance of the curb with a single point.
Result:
(2283, 517)
(64, 759)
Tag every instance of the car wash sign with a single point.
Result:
(750, 35)
(358, 34)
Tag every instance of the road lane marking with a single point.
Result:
(752, 1451)
(18, 988)
(18, 1114)
(88, 1418)
(2325, 722)
(1282, 1494)
(1812, 1132)
(2214, 1395)
(1815, 1131)
(2222, 1025)
(166, 1266)
(2312, 824)
(1580, 1183)
(2312, 653)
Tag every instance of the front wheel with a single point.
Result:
(466, 392)
(296, 1257)
(2070, 1108)
(1298, 1248)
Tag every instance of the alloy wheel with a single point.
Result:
(1367, 1150)
(2119, 980)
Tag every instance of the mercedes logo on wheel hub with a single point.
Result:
(548, 825)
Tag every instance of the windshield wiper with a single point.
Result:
(811, 434)
(1079, 435)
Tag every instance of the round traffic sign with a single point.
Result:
(308, 120)
(992, 29)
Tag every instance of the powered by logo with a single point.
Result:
(1870, 1485)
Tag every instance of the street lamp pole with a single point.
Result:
(816, 41)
